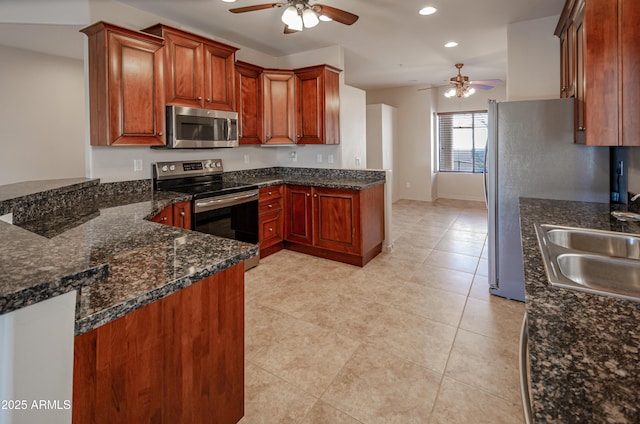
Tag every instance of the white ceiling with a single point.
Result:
(391, 45)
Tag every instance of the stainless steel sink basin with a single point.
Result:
(600, 273)
(598, 242)
(600, 262)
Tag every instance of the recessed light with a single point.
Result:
(451, 44)
(429, 10)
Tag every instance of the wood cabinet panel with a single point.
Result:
(182, 215)
(271, 229)
(337, 220)
(607, 86)
(298, 215)
(126, 93)
(630, 52)
(249, 103)
(279, 115)
(271, 219)
(199, 71)
(318, 98)
(179, 359)
(165, 216)
(339, 224)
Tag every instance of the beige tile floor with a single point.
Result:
(413, 337)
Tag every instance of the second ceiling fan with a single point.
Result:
(300, 14)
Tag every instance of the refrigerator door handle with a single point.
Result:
(484, 175)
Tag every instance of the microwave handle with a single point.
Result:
(228, 129)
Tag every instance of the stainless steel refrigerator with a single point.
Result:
(530, 153)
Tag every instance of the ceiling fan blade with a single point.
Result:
(255, 7)
(488, 81)
(481, 86)
(288, 30)
(337, 15)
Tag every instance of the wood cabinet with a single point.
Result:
(279, 108)
(249, 103)
(339, 224)
(198, 72)
(176, 215)
(271, 220)
(126, 92)
(318, 105)
(177, 360)
(603, 44)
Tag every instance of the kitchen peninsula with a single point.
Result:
(166, 297)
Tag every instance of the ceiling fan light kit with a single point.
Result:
(299, 14)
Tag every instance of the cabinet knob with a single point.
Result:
(270, 206)
(315, 195)
(269, 193)
(160, 133)
(164, 218)
(582, 129)
(199, 97)
(182, 213)
(308, 194)
(564, 89)
(208, 100)
(271, 230)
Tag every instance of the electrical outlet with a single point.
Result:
(330, 158)
(247, 159)
(294, 156)
(137, 165)
(319, 158)
(358, 161)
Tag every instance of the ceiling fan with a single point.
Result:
(299, 14)
(460, 86)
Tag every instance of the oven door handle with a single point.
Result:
(225, 201)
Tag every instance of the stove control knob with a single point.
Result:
(165, 168)
(172, 167)
(207, 164)
(218, 165)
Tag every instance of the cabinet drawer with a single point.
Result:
(267, 207)
(268, 194)
(270, 229)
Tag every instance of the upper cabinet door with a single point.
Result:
(219, 77)
(199, 71)
(183, 71)
(279, 107)
(318, 105)
(126, 96)
(630, 51)
(249, 103)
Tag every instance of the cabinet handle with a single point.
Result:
(182, 213)
(271, 230)
(315, 195)
(308, 194)
(582, 129)
(160, 133)
(208, 100)
(269, 193)
(270, 206)
(164, 218)
(199, 97)
(564, 89)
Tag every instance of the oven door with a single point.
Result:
(233, 216)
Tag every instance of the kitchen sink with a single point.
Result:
(600, 262)
(593, 241)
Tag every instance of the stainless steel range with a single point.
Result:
(219, 207)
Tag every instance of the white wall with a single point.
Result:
(41, 116)
(413, 167)
(381, 135)
(533, 62)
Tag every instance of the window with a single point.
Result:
(462, 138)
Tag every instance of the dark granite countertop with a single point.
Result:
(107, 250)
(352, 179)
(584, 349)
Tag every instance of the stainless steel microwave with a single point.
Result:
(194, 128)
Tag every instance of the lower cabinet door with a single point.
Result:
(298, 216)
(337, 220)
(271, 229)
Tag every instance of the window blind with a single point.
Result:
(462, 138)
